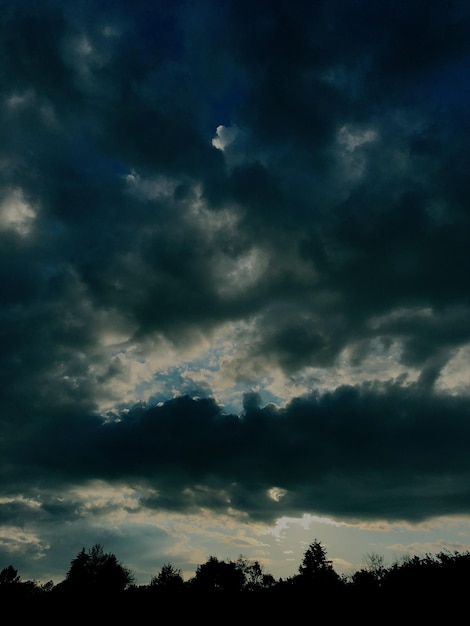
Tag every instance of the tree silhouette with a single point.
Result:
(12, 587)
(9, 576)
(314, 561)
(370, 578)
(168, 580)
(215, 575)
(255, 579)
(454, 569)
(418, 582)
(94, 571)
(316, 571)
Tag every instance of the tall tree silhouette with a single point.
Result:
(316, 571)
(96, 571)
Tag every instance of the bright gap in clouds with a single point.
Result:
(212, 368)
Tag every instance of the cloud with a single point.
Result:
(234, 257)
(373, 451)
(16, 214)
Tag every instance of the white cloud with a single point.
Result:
(225, 135)
(16, 213)
(454, 376)
(15, 540)
(276, 493)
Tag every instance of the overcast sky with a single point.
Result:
(234, 263)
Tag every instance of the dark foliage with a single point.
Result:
(424, 585)
(97, 573)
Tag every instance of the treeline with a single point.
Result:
(97, 575)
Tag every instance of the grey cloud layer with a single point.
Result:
(346, 181)
(374, 451)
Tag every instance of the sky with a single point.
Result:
(235, 298)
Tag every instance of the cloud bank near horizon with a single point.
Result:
(370, 452)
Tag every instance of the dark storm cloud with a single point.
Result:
(367, 451)
(347, 175)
